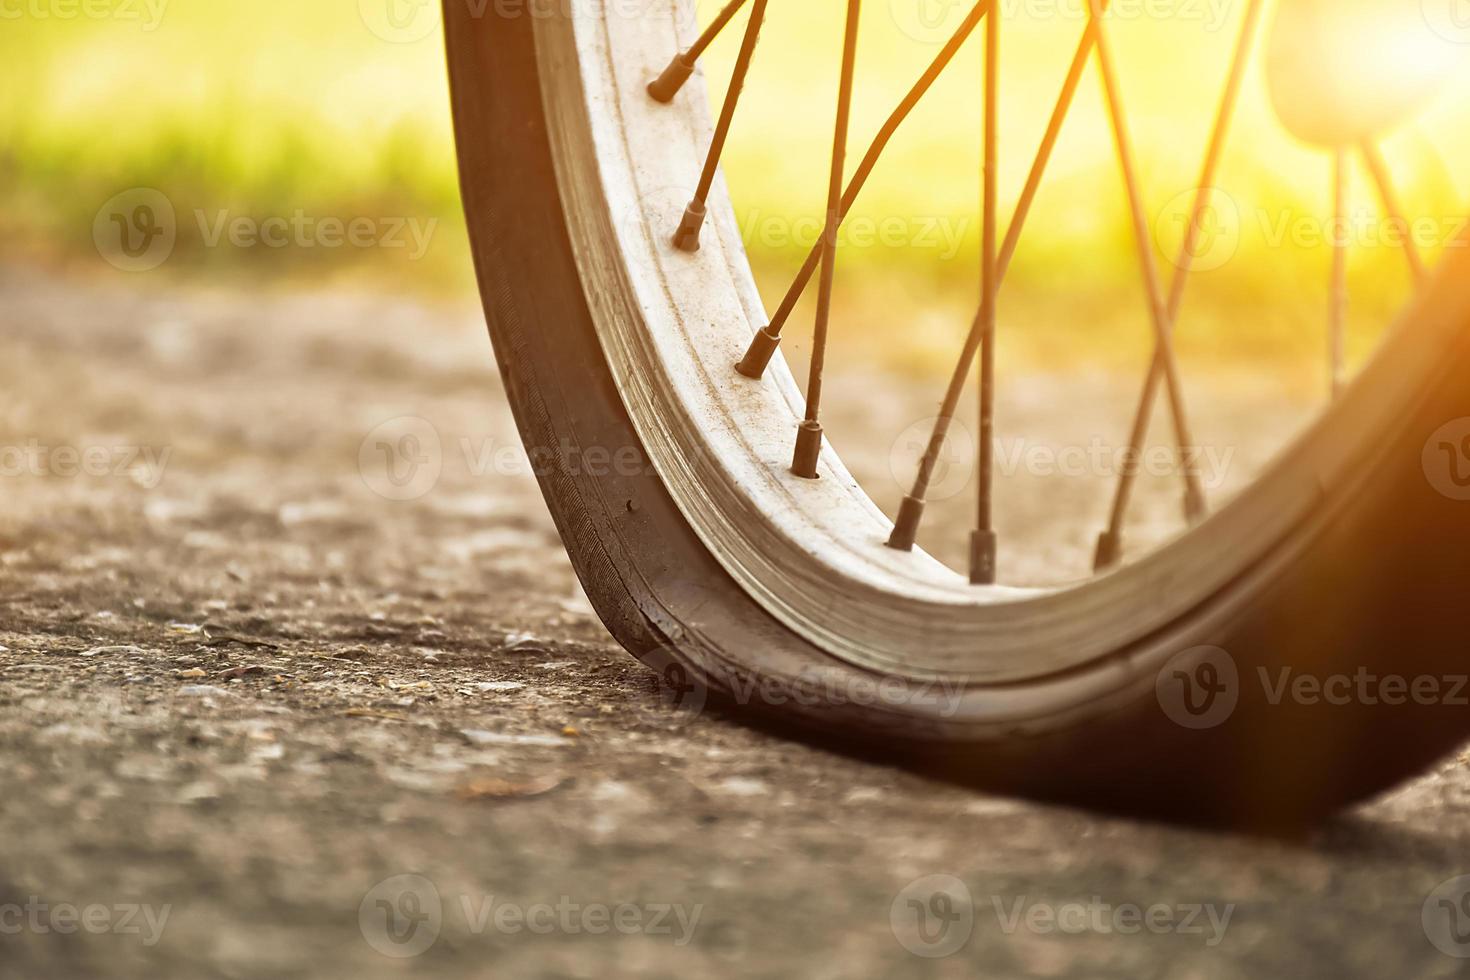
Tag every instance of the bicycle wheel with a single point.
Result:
(1155, 686)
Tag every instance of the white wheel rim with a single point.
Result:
(672, 325)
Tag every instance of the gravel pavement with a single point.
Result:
(259, 719)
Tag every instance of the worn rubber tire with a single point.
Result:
(1377, 584)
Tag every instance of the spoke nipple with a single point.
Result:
(906, 528)
(758, 356)
(1195, 508)
(666, 86)
(808, 450)
(1109, 551)
(983, 548)
(687, 237)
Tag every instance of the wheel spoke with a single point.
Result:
(687, 237)
(1338, 297)
(668, 84)
(997, 254)
(1163, 366)
(983, 545)
(911, 512)
(763, 345)
(809, 436)
(1393, 211)
(1049, 142)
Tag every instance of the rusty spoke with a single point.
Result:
(1163, 367)
(809, 435)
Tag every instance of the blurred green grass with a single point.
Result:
(261, 109)
(279, 107)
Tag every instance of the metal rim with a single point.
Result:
(810, 551)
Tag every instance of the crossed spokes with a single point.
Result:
(1163, 301)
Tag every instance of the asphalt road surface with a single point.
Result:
(261, 719)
